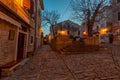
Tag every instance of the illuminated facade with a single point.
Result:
(83, 30)
(67, 28)
(19, 26)
(102, 24)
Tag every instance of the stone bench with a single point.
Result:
(9, 68)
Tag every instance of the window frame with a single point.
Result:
(31, 39)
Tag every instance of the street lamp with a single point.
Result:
(84, 33)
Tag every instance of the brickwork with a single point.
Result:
(7, 47)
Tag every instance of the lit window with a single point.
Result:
(20, 2)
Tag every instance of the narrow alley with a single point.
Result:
(60, 40)
(50, 65)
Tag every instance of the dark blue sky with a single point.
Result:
(62, 6)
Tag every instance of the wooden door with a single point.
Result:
(20, 51)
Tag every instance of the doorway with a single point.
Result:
(20, 51)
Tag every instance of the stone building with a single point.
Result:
(103, 21)
(83, 29)
(38, 31)
(19, 26)
(116, 20)
(72, 28)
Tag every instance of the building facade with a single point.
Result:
(70, 27)
(18, 29)
(103, 24)
(103, 21)
(116, 20)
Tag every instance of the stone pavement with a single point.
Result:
(115, 52)
(50, 65)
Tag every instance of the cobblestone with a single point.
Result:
(50, 65)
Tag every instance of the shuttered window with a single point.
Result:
(20, 2)
(26, 4)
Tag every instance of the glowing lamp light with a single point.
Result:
(62, 32)
(50, 37)
(20, 2)
(24, 3)
(84, 33)
(40, 30)
(103, 31)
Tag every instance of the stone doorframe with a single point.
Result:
(25, 43)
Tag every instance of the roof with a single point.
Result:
(68, 21)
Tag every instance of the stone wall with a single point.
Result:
(115, 9)
(30, 46)
(7, 47)
(60, 42)
(17, 8)
(116, 22)
(92, 40)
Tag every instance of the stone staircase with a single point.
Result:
(79, 48)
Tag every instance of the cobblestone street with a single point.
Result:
(50, 65)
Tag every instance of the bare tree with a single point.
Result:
(87, 11)
(50, 18)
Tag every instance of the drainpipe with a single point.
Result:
(36, 4)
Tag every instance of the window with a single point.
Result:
(118, 1)
(118, 34)
(26, 4)
(118, 16)
(68, 32)
(31, 40)
(78, 32)
(109, 23)
(11, 35)
(20, 2)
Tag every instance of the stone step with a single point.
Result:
(69, 53)
(10, 67)
(80, 50)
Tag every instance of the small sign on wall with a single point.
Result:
(11, 35)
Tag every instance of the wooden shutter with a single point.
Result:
(26, 4)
